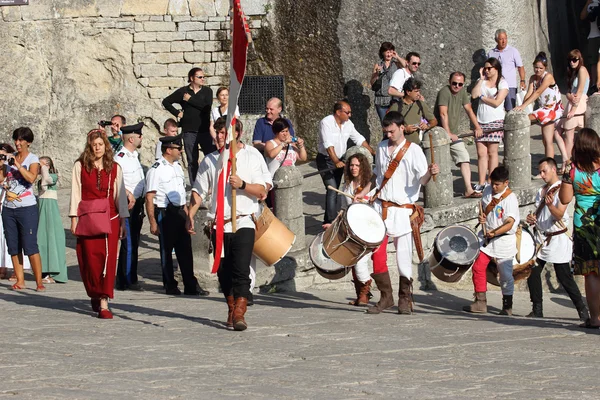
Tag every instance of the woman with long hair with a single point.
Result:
(358, 178)
(543, 87)
(582, 181)
(578, 83)
(96, 176)
(491, 89)
(283, 150)
(51, 235)
(220, 110)
(389, 62)
(20, 212)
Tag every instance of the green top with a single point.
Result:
(455, 104)
(116, 143)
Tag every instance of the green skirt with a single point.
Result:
(51, 240)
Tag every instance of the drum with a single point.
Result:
(522, 262)
(455, 249)
(356, 231)
(324, 265)
(273, 240)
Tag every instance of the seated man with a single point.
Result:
(416, 113)
(263, 130)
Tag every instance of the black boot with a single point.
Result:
(536, 311)
(506, 305)
(583, 312)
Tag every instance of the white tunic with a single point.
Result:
(133, 173)
(560, 248)
(330, 134)
(504, 246)
(251, 168)
(402, 188)
(168, 181)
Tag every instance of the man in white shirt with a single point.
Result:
(501, 219)
(252, 182)
(551, 220)
(133, 178)
(395, 200)
(413, 62)
(334, 132)
(510, 59)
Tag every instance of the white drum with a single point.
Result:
(523, 261)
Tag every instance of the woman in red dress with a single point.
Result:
(97, 176)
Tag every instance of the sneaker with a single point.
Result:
(478, 188)
(174, 291)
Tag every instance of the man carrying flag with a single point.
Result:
(251, 183)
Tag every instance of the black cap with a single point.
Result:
(137, 128)
(172, 140)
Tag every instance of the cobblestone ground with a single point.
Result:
(298, 346)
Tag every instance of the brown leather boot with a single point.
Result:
(230, 305)
(479, 305)
(239, 323)
(405, 303)
(362, 293)
(384, 284)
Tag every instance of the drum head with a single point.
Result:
(527, 248)
(319, 257)
(458, 244)
(365, 223)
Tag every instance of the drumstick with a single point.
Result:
(432, 152)
(483, 227)
(344, 193)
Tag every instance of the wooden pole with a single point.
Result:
(432, 152)
(232, 153)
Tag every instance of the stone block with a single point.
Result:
(144, 58)
(79, 9)
(169, 58)
(139, 47)
(152, 70)
(181, 18)
(221, 68)
(199, 8)
(190, 26)
(158, 47)
(213, 45)
(125, 25)
(109, 8)
(170, 36)
(40, 11)
(144, 7)
(182, 46)
(212, 26)
(165, 82)
(222, 7)
(209, 69)
(179, 69)
(156, 26)
(218, 19)
(144, 81)
(141, 18)
(105, 25)
(255, 23)
(144, 37)
(197, 35)
(216, 35)
(220, 56)
(168, 18)
(158, 92)
(195, 57)
(216, 81)
(11, 14)
(198, 46)
(138, 26)
(137, 71)
(179, 7)
(156, 18)
(256, 7)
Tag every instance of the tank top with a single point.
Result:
(550, 96)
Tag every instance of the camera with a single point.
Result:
(11, 161)
(104, 123)
(2, 157)
(294, 139)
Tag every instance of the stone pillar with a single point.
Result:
(440, 192)
(517, 153)
(592, 115)
(289, 202)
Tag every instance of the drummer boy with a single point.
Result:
(499, 217)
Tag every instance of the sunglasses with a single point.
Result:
(416, 63)
(459, 84)
(487, 68)
(199, 77)
(175, 147)
(573, 60)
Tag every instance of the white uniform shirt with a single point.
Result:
(133, 174)
(402, 188)
(168, 181)
(330, 134)
(251, 168)
(560, 248)
(398, 79)
(504, 246)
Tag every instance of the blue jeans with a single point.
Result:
(330, 178)
(381, 110)
(511, 99)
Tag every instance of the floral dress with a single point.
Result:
(551, 108)
(586, 221)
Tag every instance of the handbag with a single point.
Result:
(94, 215)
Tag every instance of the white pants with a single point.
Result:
(404, 251)
(252, 272)
(361, 269)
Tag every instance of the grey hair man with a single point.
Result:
(511, 62)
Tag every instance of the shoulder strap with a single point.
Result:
(542, 200)
(496, 201)
(391, 168)
(420, 105)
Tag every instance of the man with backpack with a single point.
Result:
(416, 113)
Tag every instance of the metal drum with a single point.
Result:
(523, 262)
(455, 249)
(325, 266)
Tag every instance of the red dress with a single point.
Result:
(92, 251)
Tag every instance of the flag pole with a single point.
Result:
(233, 151)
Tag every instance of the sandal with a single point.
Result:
(48, 279)
(40, 288)
(13, 277)
(16, 287)
(474, 195)
(588, 325)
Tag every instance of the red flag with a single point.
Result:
(239, 52)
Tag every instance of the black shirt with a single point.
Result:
(196, 111)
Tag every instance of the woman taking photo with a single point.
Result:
(20, 211)
(491, 89)
(358, 178)
(5, 261)
(220, 110)
(283, 150)
(582, 181)
(578, 83)
(96, 177)
(51, 235)
(388, 63)
(543, 87)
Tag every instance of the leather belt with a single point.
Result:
(550, 234)
(164, 208)
(416, 220)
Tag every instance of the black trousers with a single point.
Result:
(191, 141)
(128, 255)
(234, 270)
(331, 178)
(565, 278)
(173, 235)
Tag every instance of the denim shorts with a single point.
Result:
(20, 229)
